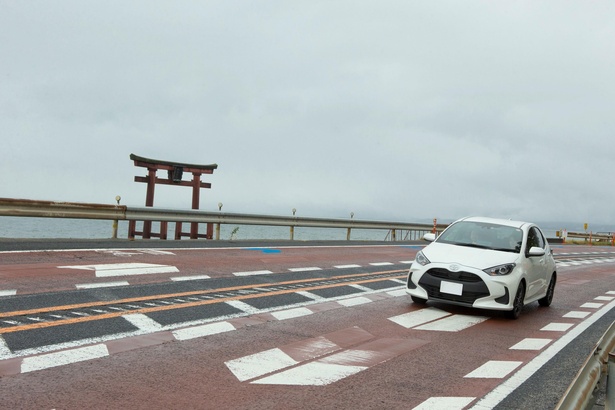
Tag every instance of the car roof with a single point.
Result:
(497, 221)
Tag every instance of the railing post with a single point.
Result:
(218, 232)
(609, 402)
(292, 233)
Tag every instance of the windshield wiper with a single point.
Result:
(473, 245)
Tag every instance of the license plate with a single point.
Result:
(451, 288)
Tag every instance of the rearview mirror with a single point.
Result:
(430, 237)
(536, 251)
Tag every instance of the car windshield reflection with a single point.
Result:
(484, 236)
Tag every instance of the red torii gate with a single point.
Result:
(175, 172)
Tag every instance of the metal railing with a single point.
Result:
(78, 210)
(581, 393)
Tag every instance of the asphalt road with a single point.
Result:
(207, 324)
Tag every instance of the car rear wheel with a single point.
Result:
(418, 300)
(518, 302)
(546, 301)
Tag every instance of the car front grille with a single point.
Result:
(473, 286)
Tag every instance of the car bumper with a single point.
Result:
(465, 287)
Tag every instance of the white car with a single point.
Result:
(485, 263)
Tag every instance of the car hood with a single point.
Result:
(467, 256)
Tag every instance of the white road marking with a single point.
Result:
(605, 298)
(45, 361)
(306, 269)
(292, 313)
(143, 322)
(494, 369)
(203, 330)
(361, 288)
(101, 285)
(4, 348)
(252, 273)
(531, 344)
(354, 301)
(590, 305)
(310, 295)
(124, 269)
(347, 266)
(381, 263)
(407, 262)
(402, 281)
(419, 317)
(454, 323)
(576, 314)
(557, 327)
(11, 292)
(445, 403)
(259, 364)
(312, 374)
(397, 293)
(244, 307)
(184, 278)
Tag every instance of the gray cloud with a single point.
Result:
(392, 110)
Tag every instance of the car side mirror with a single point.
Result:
(536, 251)
(430, 237)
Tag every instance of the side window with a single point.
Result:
(535, 238)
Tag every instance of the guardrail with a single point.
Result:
(591, 237)
(581, 393)
(77, 210)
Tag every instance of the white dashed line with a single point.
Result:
(45, 361)
(557, 327)
(494, 369)
(347, 266)
(244, 307)
(590, 305)
(448, 403)
(576, 315)
(8, 292)
(306, 269)
(381, 263)
(531, 344)
(203, 330)
(183, 278)
(143, 322)
(354, 301)
(252, 273)
(101, 285)
(292, 313)
(310, 295)
(361, 288)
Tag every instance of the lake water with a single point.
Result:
(26, 227)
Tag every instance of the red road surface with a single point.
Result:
(270, 362)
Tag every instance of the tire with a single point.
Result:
(546, 301)
(418, 300)
(518, 302)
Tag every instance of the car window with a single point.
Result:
(483, 235)
(535, 238)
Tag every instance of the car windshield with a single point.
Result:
(483, 235)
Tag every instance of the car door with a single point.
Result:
(537, 265)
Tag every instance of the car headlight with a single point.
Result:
(421, 259)
(500, 270)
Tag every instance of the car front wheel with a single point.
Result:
(546, 301)
(518, 301)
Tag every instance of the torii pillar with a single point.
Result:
(175, 172)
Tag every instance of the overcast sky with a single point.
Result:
(394, 110)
